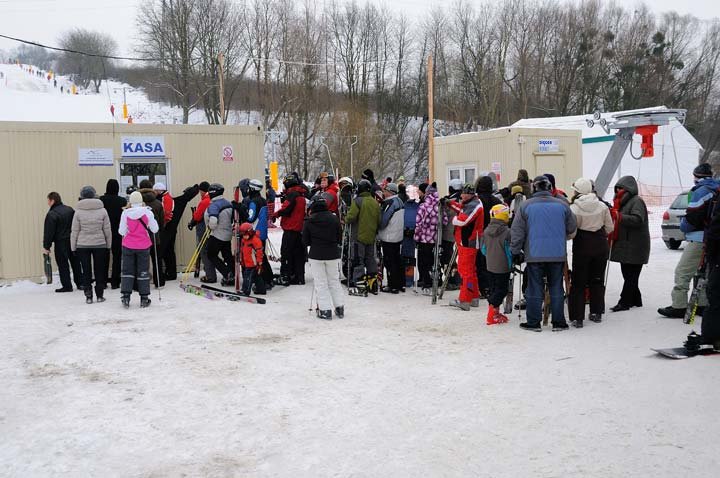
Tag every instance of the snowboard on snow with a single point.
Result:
(48, 268)
(680, 353)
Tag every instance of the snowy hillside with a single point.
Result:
(24, 96)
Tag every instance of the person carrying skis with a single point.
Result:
(56, 230)
(630, 240)
(114, 205)
(136, 224)
(198, 223)
(91, 239)
(496, 248)
(390, 234)
(322, 234)
(364, 215)
(292, 214)
(469, 223)
(219, 219)
(538, 236)
(251, 252)
(426, 224)
(255, 207)
(448, 234)
(590, 252)
(693, 225)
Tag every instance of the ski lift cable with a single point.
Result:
(252, 59)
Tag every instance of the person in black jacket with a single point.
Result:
(58, 224)
(321, 232)
(484, 191)
(114, 205)
(150, 199)
(169, 232)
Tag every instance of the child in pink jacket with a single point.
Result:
(136, 224)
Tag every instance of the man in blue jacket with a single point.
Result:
(538, 236)
(693, 225)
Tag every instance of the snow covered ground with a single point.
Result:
(192, 387)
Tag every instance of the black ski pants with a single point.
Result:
(156, 249)
(135, 268)
(94, 259)
(710, 328)
(482, 274)
(67, 259)
(292, 257)
(393, 265)
(116, 251)
(630, 294)
(498, 288)
(224, 265)
(168, 259)
(425, 262)
(588, 271)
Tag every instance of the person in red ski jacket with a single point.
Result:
(469, 223)
(292, 214)
(198, 223)
(251, 253)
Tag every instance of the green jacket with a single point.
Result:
(365, 211)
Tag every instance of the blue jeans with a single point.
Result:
(536, 291)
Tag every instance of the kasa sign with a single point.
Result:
(142, 146)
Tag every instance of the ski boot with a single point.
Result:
(372, 284)
(88, 299)
(100, 299)
(597, 318)
(359, 289)
(340, 312)
(324, 314)
(495, 317)
(145, 301)
(671, 312)
(460, 305)
(125, 299)
(475, 303)
(521, 304)
(578, 324)
(694, 343)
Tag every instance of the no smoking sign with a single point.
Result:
(228, 155)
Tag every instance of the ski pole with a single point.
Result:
(157, 267)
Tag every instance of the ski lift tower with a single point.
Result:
(644, 123)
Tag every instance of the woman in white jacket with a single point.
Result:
(590, 252)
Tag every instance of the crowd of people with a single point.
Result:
(475, 238)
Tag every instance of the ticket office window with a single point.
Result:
(466, 174)
(133, 172)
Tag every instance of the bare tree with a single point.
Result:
(86, 69)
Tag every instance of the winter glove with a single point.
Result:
(191, 225)
(518, 259)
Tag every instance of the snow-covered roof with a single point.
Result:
(677, 132)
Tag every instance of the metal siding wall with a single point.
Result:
(484, 148)
(42, 157)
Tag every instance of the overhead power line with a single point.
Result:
(253, 59)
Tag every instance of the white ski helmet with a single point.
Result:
(255, 185)
(347, 180)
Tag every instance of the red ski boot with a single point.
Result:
(495, 317)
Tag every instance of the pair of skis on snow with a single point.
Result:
(210, 292)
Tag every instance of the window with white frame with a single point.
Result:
(466, 174)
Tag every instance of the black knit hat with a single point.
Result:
(423, 187)
(204, 186)
(369, 175)
(703, 171)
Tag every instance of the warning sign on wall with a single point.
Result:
(497, 169)
(228, 155)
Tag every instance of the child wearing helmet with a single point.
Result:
(251, 250)
(496, 248)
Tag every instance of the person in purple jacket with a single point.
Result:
(426, 223)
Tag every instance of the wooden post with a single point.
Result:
(431, 126)
(221, 65)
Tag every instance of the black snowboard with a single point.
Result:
(680, 353)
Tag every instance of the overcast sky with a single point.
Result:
(45, 20)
